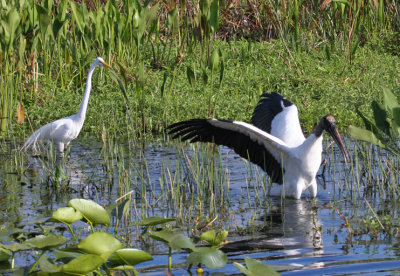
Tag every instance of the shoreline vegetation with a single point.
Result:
(189, 59)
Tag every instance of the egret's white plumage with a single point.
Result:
(275, 142)
(62, 131)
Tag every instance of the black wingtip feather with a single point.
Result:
(206, 130)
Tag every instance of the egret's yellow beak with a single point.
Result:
(106, 65)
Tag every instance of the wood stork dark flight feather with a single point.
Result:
(275, 142)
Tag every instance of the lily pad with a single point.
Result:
(5, 234)
(4, 255)
(46, 242)
(101, 244)
(67, 215)
(154, 221)
(67, 254)
(46, 264)
(83, 264)
(209, 256)
(174, 240)
(15, 247)
(91, 211)
(255, 268)
(130, 256)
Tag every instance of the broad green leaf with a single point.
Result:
(100, 243)
(5, 234)
(214, 61)
(255, 268)
(365, 135)
(43, 242)
(208, 236)
(44, 19)
(9, 27)
(214, 15)
(380, 117)
(77, 16)
(390, 100)
(83, 264)
(4, 255)
(174, 240)
(371, 126)
(172, 19)
(214, 239)
(15, 247)
(67, 254)
(46, 264)
(91, 211)
(211, 257)
(154, 221)
(130, 256)
(67, 215)
(190, 76)
(396, 119)
(56, 27)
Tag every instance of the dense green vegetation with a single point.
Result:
(192, 59)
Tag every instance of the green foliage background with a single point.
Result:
(185, 59)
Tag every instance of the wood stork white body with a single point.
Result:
(62, 131)
(275, 142)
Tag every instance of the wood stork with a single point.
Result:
(275, 142)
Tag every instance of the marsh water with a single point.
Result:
(350, 229)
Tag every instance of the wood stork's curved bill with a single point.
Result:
(275, 142)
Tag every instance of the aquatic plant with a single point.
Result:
(98, 250)
(385, 129)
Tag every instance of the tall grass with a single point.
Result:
(50, 40)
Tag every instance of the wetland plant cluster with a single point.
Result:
(184, 59)
(99, 252)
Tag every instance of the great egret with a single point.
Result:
(62, 131)
(275, 143)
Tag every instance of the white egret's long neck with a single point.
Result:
(82, 110)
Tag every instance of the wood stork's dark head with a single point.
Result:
(328, 123)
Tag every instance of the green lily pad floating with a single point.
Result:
(67, 254)
(101, 244)
(83, 264)
(15, 247)
(154, 221)
(5, 234)
(255, 268)
(91, 211)
(46, 242)
(174, 240)
(4, 255)
(211, 257)
(46, 264)
(67, 215)
(130, 257)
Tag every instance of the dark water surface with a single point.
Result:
(336, 234)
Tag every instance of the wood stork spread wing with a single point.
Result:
(248, 141)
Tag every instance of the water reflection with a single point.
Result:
(305, 234)
(291, 226)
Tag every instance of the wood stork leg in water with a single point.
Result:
(62, 131)
(275, 142)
